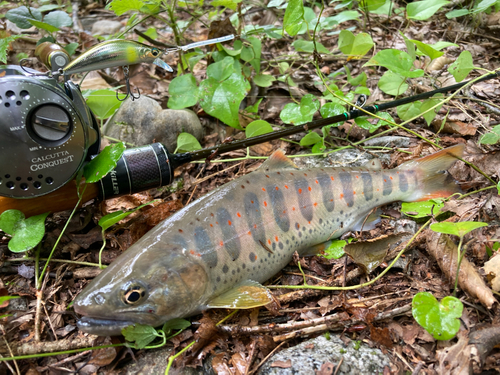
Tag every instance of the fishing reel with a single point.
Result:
(48, 133)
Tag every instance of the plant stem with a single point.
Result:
(459, 261)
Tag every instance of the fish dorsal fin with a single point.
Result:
(246, 295)
(374, 164)
(278, 160)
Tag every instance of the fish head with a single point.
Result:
(144, 285)
(153, 53)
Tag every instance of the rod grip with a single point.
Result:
(139, 169)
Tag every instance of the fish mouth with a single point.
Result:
(102, 327)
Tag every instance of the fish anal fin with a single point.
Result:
(278, 160)
(246, 295)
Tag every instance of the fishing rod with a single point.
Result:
(152, 166)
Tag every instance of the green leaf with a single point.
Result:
(263, 80)
(9, 220)
(363, 122)
(247, 54)
(231, 4)
(44, 26)
(257, 51)
(141, 334)
(310, 139)
(21, 16)
(483, 5)
(235, 50)
(123, 6)
(422, 209)
(58, 19)
(255, 107)
(221, 70)
(409, 111)
(103, 103)
(258, 127)
(422, 10)
(28, 233)
(71, 48)
(459, 229)
(344, 16)
(302, 45)
(462, 66)
(4, 46)
(439, 319)
(183, 92)
(175, 324)
(335, 250)
(357, 45)
(294, 16)
(429, 103)
(222, 99)
(151, 32)
(442, 44)
(398, 61)
(111, 219)
(186, 143)
(296, 114)
(332, 109)
(379, 123)
(103, 163)
(426, 49)
(457, 13)
(491, 138)
(392, 83)
(3, 299)
(355, 81)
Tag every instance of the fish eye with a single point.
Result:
(134, 294)
(155, 52)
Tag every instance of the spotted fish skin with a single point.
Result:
(246, 230)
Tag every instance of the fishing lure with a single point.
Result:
(215, 252)
(114, 53)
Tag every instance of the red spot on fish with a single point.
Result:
(284, 211)
(331, 200)
(390, 177)
(249, 232)
(217, 222)
(180, 230)
(291, 173)
(286, 186)
(354, 193)
(293, 208)
(267, 176)
(269, 242)
(212, 215)
(278, 172)
(315, 204)
(238, 214)
(277, 188)
(378, 189)
(276, 238)
(363, 192)
(263, 189)
(221, 243)
(332, 178)
(309, 188)
(341, 196)
(357, 176)
(255, 226)
(242, 186)
(229, 222)
(192, 252)
(265, 203)
(305, 174)
(343, 170)
(300, 191)
(251, 202)
(298, 225)
(211, 225)
(309, 222)
(385, 180)
(316, 181)
(397, 172)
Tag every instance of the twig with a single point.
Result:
(54, 346)
(10, 352)
(338, 366)
(265, 359)
(65, 360)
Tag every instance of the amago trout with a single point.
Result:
(215, 252)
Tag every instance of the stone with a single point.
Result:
(106, 27)
(350, 157)
(143, 121)
(389, 141)
(309, 357)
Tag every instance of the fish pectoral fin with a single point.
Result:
(315, 249)
(368, 222)
(246, 295)
(163, 64)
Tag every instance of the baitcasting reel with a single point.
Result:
(47, 133)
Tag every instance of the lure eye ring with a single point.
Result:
(155, 52)
(134, 294)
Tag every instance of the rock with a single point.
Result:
(389, 141)
(143, 121)
(343, 158)
(106, 27)
(309, 356)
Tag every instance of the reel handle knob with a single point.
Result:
(52, 55)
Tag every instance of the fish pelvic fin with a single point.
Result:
(246, 295)
(434, 181)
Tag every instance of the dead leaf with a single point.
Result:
(454, 127)
(492, 270)
(382, 336)
(220, 365)
(454, 360)
(326, 369)
(444, 250)
(240, 363)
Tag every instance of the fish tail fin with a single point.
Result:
(434, 181)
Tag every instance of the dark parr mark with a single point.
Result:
(204, 247)
(253, 216)
(387, 186)
(279, 206)
(253, 257)
(403, 182)
(305, 204)
(229, 235)
(225, 269)
(325, 184)
(367, 186)
(346, 181)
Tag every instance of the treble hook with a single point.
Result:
(31, 73)
(127, 85)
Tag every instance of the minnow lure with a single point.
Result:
(215, 252)
(113, 53)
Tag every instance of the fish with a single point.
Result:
(217, 251)
(119, 52)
